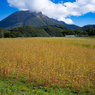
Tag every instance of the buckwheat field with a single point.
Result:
(50, 62)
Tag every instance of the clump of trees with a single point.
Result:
(4, 33)
(12, 34)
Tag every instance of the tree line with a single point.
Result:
(46, 31)
(88, 32)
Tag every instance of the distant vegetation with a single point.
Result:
(28, 31)
(86, 27)
(45, 31)
(88, 32)
(54, 30)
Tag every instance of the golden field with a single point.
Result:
(52, 62)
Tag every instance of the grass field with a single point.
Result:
(9, 87)
(50, 62)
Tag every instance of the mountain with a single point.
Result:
(86, 27)
(26, 18)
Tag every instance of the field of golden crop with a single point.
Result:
(52, 62)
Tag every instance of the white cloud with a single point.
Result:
(52, 10)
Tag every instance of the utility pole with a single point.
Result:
(2, 34)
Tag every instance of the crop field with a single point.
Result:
(50, 62)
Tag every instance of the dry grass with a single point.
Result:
(53, 62)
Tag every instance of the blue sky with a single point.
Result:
(78, 12)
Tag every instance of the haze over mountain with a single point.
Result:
(26, 18)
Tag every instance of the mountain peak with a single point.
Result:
(23, 18)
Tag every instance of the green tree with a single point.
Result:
(68, 32)
(91, 32)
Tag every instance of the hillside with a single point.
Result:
(54, 30)
(45, 31)
(84, 28)
(26, 18)
(28, 31)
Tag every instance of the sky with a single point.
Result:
(78, 12)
